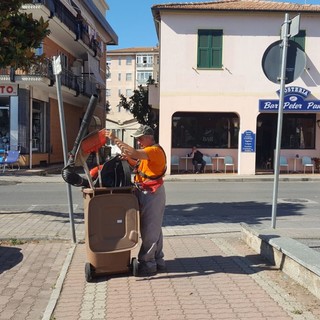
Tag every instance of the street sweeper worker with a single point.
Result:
(149, 162)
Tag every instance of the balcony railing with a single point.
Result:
(76, 24)
(80, 84)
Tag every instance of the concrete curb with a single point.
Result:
(298, 261)
(58, 287)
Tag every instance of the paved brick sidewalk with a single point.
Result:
(207, 278)
(28, 274)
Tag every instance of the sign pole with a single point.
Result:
(285, 36)
(57, 71)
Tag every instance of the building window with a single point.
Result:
(143, 76)
(38, 126)
(119, 92)
(298, 131)
(129, 61)
(128, 93)
(4, 124)
(108, 92)
(205, 130)
(128, 76)
(119, 61)
(210, 49)
(119, 76)
(145, 60)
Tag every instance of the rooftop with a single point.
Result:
(238, 5)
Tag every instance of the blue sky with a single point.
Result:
(132, 21)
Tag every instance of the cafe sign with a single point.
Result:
(294, 101)
(8, 90)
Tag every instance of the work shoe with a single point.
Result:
(161, 266)
(146, 271)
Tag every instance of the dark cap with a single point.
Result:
(144, 130)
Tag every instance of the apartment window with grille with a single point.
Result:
(128, 61)
(143, 76)
(128, 76)
(210, 49)
(145, 60)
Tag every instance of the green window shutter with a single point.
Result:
(203, 49)
(209, 49)
(300, 38)
(217, 49)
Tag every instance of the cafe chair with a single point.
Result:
(209, 162)
(175, 161)
(228, 162)
(284, 163)
(307, 163)
(11, 159)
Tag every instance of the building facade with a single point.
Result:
(128, 69)
(29, 113)
(213, 89)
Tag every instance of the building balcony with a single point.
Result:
(43, 73)
(145, 65)
(74, 25)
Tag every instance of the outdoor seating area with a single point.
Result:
(288, 164)
(214, 164)
(295, 164)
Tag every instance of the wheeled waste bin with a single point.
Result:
(111, 231)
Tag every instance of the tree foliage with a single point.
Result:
(20, 34)
(138, 105)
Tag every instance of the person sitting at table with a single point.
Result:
(197, 158)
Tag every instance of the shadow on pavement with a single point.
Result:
(9, 257)
(249, 212)
(199, 266)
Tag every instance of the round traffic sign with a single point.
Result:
(272, 59)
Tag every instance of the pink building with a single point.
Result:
(213, 91)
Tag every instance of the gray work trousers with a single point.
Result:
(152, 206)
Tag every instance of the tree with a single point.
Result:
(139, 107)
(20, 34)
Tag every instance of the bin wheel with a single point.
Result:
(89, 272)
(135, 266)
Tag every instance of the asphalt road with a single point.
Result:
(298, 204)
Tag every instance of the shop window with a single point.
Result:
(4, 127)
(210, 49)
(298, 131)
(38, 126)
(205, 130)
